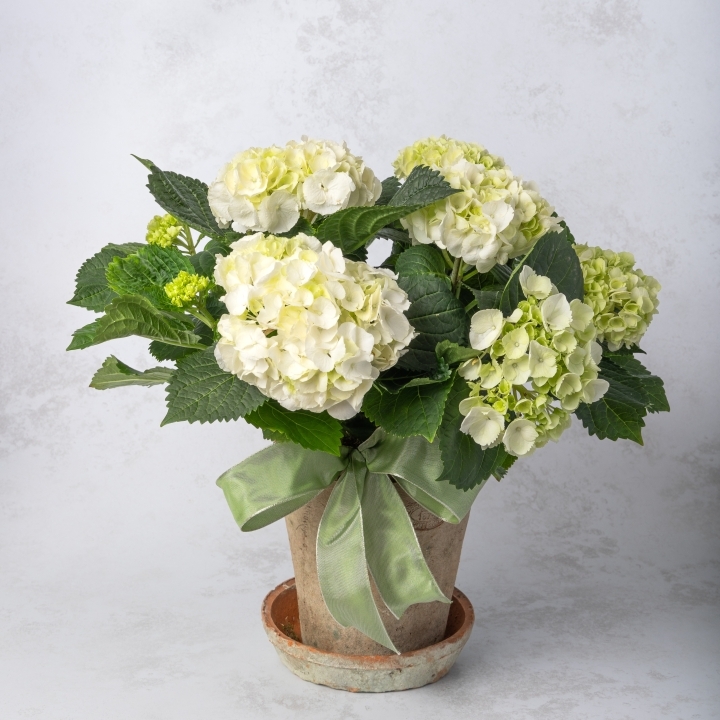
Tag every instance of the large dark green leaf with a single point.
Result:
(390, 186)
(136, 315)
(91, 286)
(200, 391)
(421, 260)
(554, 257)
(185, 198)
(465, 464)
(634, 391)
(314, 431)
(416, 409)
(204, 263)
(146, 273)
(163, 351)
(436, 314)
(424, 186)
(115, 373)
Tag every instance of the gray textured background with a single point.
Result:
(126, 591)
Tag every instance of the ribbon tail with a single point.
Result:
(276, 481)
(341, 560)
(393, 552)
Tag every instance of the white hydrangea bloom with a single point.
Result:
(268, 189)
(540, 363)
(495, 217)
(307, 327)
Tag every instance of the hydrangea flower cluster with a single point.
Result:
(307, 327)
(495, 217)
(622, 297)
(163, 230)
(268, 189)
(543, 354)
(185, 288)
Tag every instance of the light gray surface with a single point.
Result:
(126, 591)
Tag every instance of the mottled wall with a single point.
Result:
(126, 589)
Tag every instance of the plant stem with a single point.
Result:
(448, 259)
(203, 316)
(455, 275)
(188, 235)
(470, 305)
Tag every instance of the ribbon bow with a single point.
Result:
(364, 525)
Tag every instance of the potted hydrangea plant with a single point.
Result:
(390, 395)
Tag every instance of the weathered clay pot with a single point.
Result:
(363, 673)
(422, 625)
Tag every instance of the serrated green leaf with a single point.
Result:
(416, 409)
(465, 464)
(390, 186)
(436, 314)
(146, 273)
(501, 470)
(352, 228)
(136, 315)
(162, 351)
(183, 197)
(453, 353)
(91, 286)
(217, 247)
(400, 238)
(632, 393)
(114, 373)
(84, 337)
(424, 186)
(276, 437)
(554, 257)
(204, 263)
(200, 391)
(314, 431)
(421, 260)
(487, 299)
(613, 418)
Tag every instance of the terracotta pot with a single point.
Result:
(363, 673)
(421, 626)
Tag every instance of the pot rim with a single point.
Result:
(448, 644)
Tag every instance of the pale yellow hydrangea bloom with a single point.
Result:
(269, 189)
(539, 364)
(496, 216)
(307, 327)
(622, 297)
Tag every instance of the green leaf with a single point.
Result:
(163, 351)
(136, 315)
(421, 260)
(400, 238)
(452, 353)
(91, 286)
(217, 247)
(114, 373)
(554, 257)
(301, 226)
(352, 228)
(436, 314)
(183, 197)
(423, 186)
(632, 393)
(487, 299)
(416, 409)
(84, 337)
(314, 431)
(147, 272)
(204, 263)
(465, 464)
(200, 391)
(390, 186)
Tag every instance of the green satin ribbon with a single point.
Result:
(365, 528)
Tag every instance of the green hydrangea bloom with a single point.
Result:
(163, 230)
(539, 364)
(622, 297)
(185, 288)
